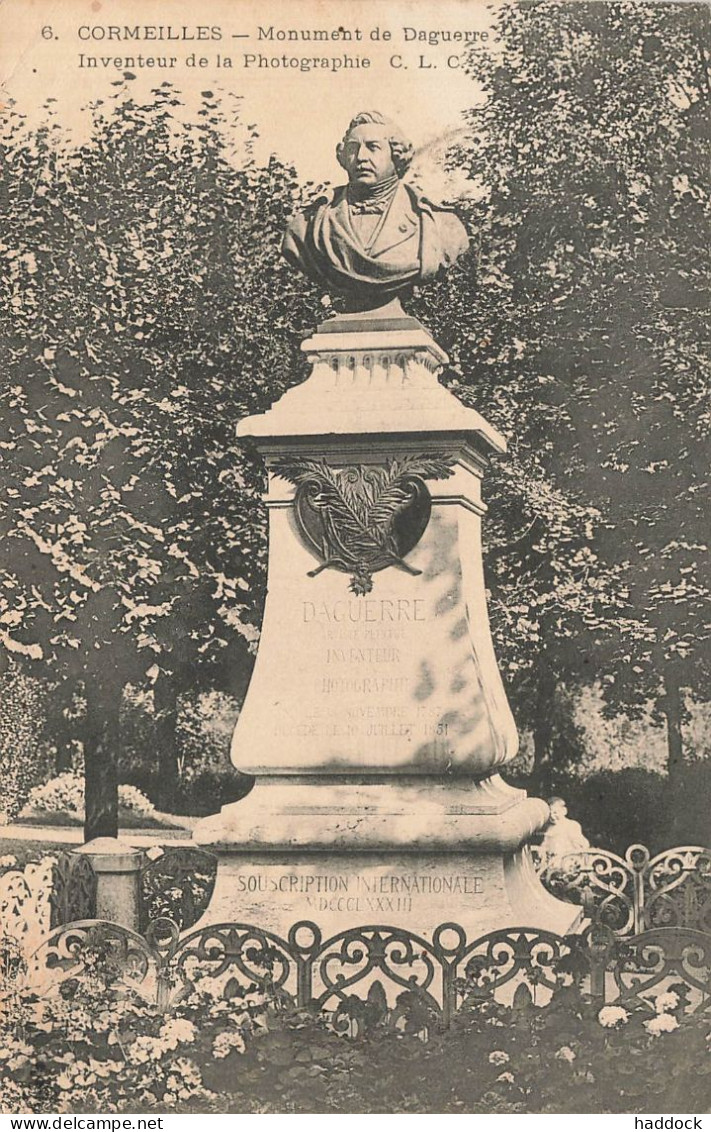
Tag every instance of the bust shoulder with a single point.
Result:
(453, 236)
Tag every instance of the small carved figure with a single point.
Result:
(562, 835)
(376, 236)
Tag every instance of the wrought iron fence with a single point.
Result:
(73, 889)
(637, 892)
(381, 973)
(43, 894)
(178, 885)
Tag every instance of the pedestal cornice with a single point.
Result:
(367, 380)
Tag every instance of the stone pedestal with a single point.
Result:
(376, 721)
(117, 866)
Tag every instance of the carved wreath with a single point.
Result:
(361, 518)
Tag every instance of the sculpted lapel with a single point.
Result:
(399, 224)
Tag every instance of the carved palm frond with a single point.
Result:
(426, 467)
(342, 513)
(299, 470)
(354, 508)
(352, 543)
(393, 499)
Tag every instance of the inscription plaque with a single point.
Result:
(420, 892)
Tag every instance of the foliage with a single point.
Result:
(131, 504)
(23, 852)
(617, 808)
(567, 1057)
(204, 775)
(95, 1047)
(24, 758)
(135, 269)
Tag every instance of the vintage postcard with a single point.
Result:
(354, 601)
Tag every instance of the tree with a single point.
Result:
(139, 268)
(588, 163)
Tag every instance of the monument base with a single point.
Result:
(351, 812)
(376, 720)
(412, 853)
(418, 891)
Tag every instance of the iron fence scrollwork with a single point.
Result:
(177, 885)
(636, 892)
(73, 891)
(380, 975)
(678, 889)
(663, 959)
(109, 954)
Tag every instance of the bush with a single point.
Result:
(618, 808)
(205, 777)
(24, 760)
(63, 797)
(95, 1047)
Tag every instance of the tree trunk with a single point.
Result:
(165, 707)
(101, 748)
(63, 755)
(672, 707)
(64, 727)
(543, 731)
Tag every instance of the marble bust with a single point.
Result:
(376, 236)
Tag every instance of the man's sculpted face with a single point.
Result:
(366, 155)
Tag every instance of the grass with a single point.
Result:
(128, 819)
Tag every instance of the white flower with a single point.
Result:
(146, 1049)
(255, 998)
(613, 1016)
(15, 1048)
(19, 1061)
(65, 793)
(662, 1024)
(225, 1042)
(498, 1057)
(177, 1030)
(565, 1053)
(508, 1078)
(103, 1068)
(187, 1071)
(131, 798)
(665, 1002)
(209, 985)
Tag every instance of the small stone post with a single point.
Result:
(117, 866)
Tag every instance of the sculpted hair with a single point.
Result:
(401, 148)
